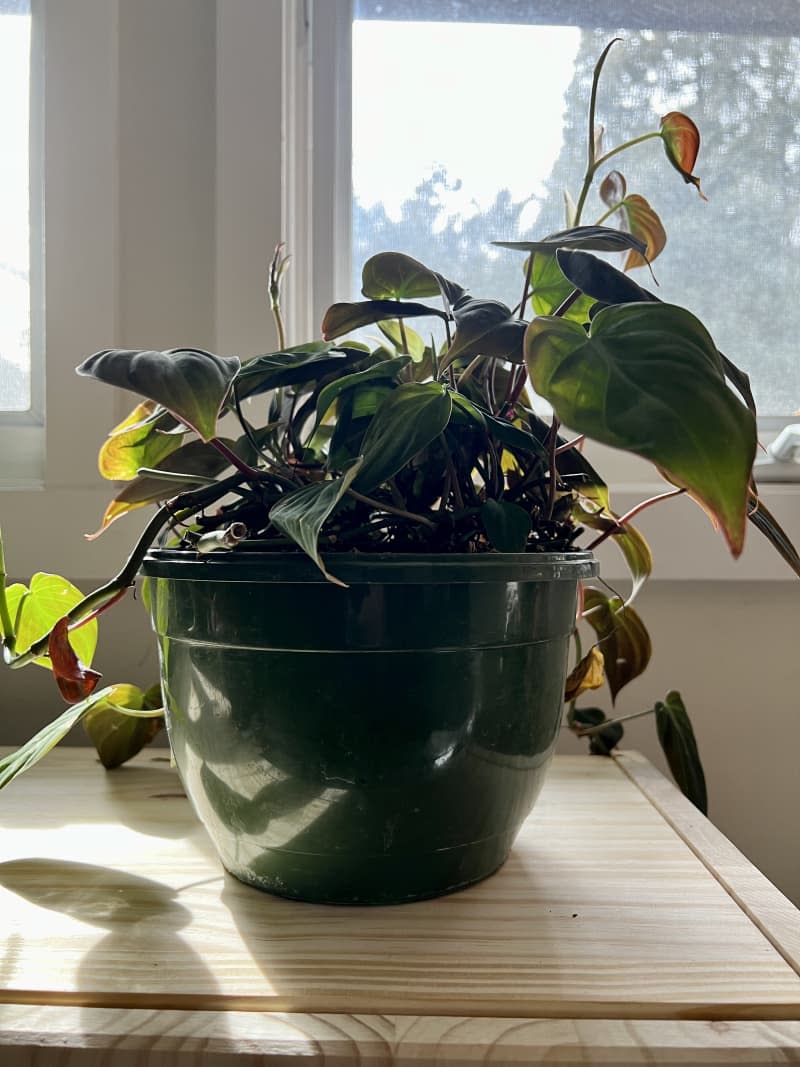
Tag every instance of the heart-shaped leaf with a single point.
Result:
(345, 317)
(599, 280)
(603, 742)
(486, 328)
(588, 674)
(406, 422)
(677, 739)
(613, 188)
(194, 464)
(37, 609)
(121, 725)
(643, 222)
(278, 369)
(507, 525)
(302, 513)
(622, 635)
(190, 383)
(682, 143)
(75, 680)
(648, 379)
(387, 370)
(550, 288)
(136, 442)
(404, 338)
(588, 238)
(396, 276)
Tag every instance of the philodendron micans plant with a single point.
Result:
(343, 446)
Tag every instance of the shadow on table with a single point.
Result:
(140, 962)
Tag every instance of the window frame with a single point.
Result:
(22, 432)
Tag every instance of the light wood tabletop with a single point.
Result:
(623, 929)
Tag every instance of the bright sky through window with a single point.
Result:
(468, 97)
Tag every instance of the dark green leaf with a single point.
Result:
(677, 739)
(408, 420)
(407, 337)
(514, 437)
(739, 380)
(622, 635)
(388, 370)
(278, 369)
(769, 526)
(590, 238)
(190, 383)
(549, 290)
(302, 513)
(507, 525)
(648, 379)
(603, 742)
(486, 328)
(599, 280)
(396, 276)
(343, 318)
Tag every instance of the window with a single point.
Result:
(15, 362)
(469, 120)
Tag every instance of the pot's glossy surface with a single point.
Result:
(375, 744)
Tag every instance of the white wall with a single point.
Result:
(196, 205)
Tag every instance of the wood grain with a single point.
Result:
(110, 897)
(99, 1037)
(768, 908)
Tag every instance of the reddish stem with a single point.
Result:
(626, 518)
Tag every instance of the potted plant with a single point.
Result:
(364, 593)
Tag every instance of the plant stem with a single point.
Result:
(403, 337)
(632, 514)
(552, 441)
(527, 286)
(626, 144)
(574, 443)
(578, 657)
(451, 469)
(9, 638)
(590, 157)
(234, 460)
(381, 506)
(468, 370)
(188, 504)
(276, 269)
(613, 722)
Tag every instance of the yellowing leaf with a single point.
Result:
(135, 443)
(588, 674)
(643, 222)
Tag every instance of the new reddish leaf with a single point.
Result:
(75, 680)
(682, 143)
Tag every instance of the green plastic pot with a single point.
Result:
(372, 744)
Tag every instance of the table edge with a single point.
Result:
(762, 902)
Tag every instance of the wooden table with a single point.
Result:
(624, 929)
